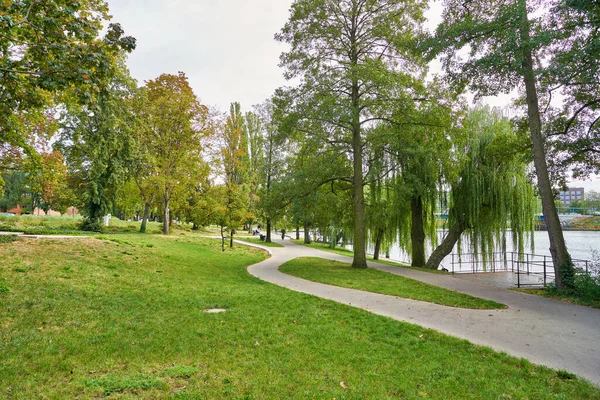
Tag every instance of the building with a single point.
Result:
(570, 195)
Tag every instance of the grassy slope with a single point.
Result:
(372, 280)
(124, 318)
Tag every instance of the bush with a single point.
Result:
(581, 285)
(90, 225)
(8, 238)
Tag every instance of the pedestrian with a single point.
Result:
(282, 234)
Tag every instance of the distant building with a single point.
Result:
(572, 194)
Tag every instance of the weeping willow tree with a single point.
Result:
(425, 161)
(387, 211)
(493, 193)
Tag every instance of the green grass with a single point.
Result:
(96, 318)
(371, 280)
(588, 301)
(65, 225)
(256, 240)
(349, 253)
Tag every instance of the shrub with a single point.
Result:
(90, 225)
(8, 238)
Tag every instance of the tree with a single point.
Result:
(504, 39)
(253, 128)
(175, 125)
(492, 192)
(50, 182)
(98, 146)
(354, 58)
(574, 72)
(272, 169)
(14, 191)
(236, 167)
(48, 48)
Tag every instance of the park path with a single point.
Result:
(545, 331)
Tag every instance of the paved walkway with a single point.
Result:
(545, 331)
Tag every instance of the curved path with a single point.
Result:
(545, 331)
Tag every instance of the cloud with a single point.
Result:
(225, 47)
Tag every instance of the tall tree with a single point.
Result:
(492, 192)
(353, 57)
(272, 169)
(236, 165)
(574, 73)
(49, 48)
(176, 122)
(253, 127)
(504, 40)
(97, 143)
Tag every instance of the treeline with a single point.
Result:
(366, 149)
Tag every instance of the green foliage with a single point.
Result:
(92, 225)
(567, 273)
(8, 238)
(493, 193)
(579, 285)
(355, 60)
(14, 191)
(49, 49)
(174, 122)
(98, 145)
(573, 72)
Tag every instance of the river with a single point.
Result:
(579, 243)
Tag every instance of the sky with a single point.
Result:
(225, 47)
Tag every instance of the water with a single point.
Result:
(579, 243)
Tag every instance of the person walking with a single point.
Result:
(282, 234)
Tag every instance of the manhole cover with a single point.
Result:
(214, 310)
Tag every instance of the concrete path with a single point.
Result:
(545, 331)
(23, 235)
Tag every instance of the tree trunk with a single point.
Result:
(222, 240)
(417, 232)
(231, 233)
(166, 214)
(268, 238)
(378, 240)
(445, 247)
(360, 256)
(306, 233)
(145, 218)
(558, 248)
(297, 232)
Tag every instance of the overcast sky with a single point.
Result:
(225, 47)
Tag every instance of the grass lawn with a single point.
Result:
(65, 225)
(341, 274)
(349, 253)
(574, 299)
(123, 318)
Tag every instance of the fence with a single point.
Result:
(531, 265)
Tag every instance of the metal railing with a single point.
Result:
(532, 265)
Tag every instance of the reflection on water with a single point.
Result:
(579, 243)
